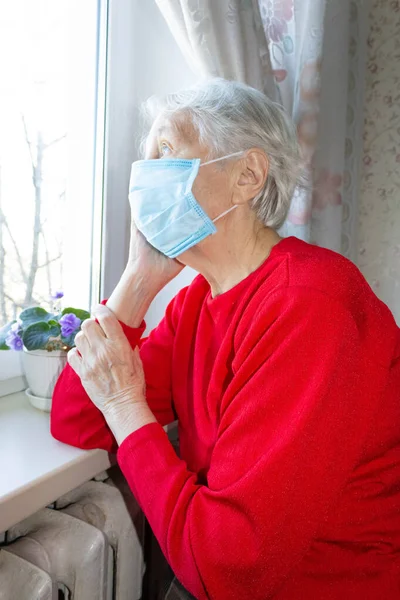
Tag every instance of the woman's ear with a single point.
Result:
(251, 175)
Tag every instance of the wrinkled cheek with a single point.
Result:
(212, 194)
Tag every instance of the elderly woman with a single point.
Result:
(278, 360)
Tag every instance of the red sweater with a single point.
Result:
(287, 391)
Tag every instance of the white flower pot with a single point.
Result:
(42, 369)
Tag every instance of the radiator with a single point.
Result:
(87, 546)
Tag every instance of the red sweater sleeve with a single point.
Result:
(293, 422)
(75, 420)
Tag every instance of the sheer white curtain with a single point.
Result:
(222, 38)
(310, 56)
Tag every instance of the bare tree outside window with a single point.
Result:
(49, 67)
(33, 167)
(18, 275)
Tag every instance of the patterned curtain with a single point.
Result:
(310, 56)
(223, 38)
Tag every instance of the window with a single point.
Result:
(76, 72)
(48, 102)
(50, 143)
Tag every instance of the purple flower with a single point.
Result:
(69, 323)
(14, 341)
(58, 294)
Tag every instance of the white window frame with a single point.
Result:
(119, 146)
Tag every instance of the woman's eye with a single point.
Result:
(164, 149)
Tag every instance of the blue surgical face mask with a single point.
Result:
(163, 206)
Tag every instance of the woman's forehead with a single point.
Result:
(161, 125)
(176, 126)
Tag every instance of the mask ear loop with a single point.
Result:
(222, 158)
(225, 213)
(216, 160)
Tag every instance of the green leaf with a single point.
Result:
(4, 331)
(36, 336)
(34, 315)
(55, 328)
(81, 314)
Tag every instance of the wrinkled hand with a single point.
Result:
(110, 371)
(143, 258)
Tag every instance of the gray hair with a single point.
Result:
(230, 116)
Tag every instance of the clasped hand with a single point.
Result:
(110, 371)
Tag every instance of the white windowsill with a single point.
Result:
(35, 468)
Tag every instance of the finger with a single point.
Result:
(75, 361)
(137, 361)
(136, 354)
(82, 343)
(93, 331)
(108, 321)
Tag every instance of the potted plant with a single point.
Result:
(44, 338)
